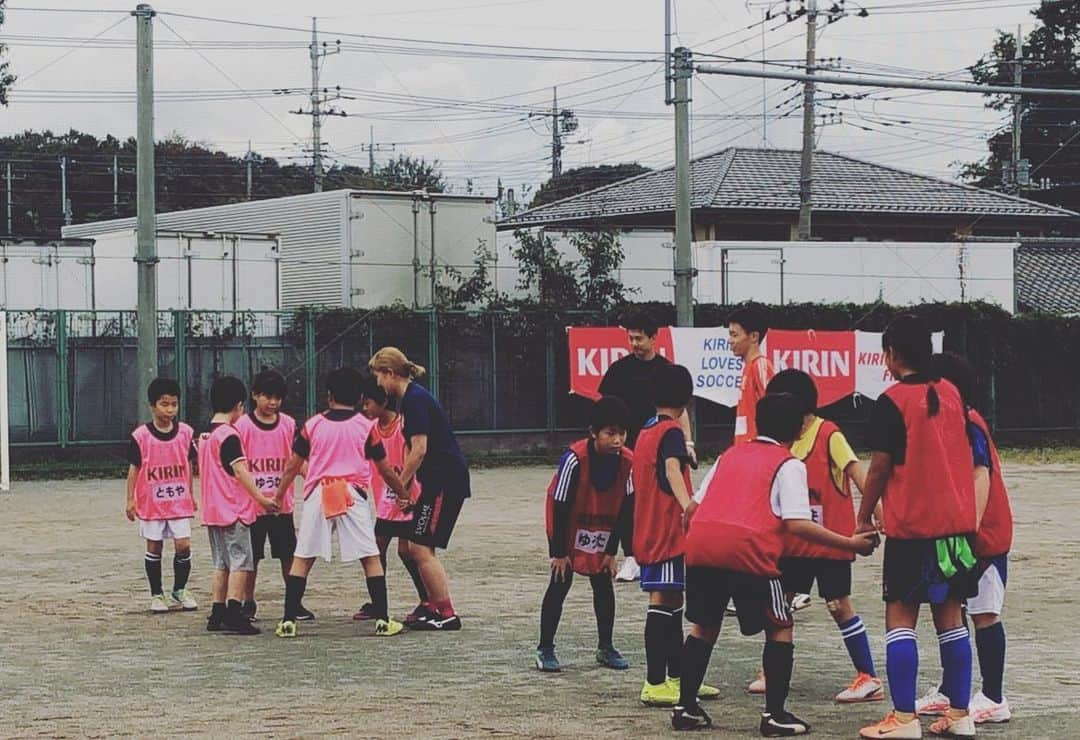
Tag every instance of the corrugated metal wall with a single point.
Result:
(312, 230)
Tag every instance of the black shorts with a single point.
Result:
(911, 574)
(397, 528)
(833, 576)
(759, 600)
(280, 530)
(434, 518)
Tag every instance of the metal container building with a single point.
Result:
(341, 248)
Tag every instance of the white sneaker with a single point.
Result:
(800, 601)
(629, 571)
(932, 702)
(158, 605)
(863, 688)
(184, 600)
(757, 686)
(985, 710)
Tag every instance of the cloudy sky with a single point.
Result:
(465, 82)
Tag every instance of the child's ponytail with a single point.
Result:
(933, 403)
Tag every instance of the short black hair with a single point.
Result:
(642, 322)
(162, 387)
(609, 411)
(956, 369)
(269, 383)
(344, 385)
(798, 384)
(751, 318)
(226, 392)
(672, 386)
(778, 416)
(371, 389)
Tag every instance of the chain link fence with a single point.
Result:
(72, 380)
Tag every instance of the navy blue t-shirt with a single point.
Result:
(444, 466)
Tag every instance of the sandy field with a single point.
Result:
(83, 657)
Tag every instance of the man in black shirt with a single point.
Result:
(630, 379)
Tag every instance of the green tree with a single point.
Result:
(1050, 134)
(582, 179)
(407, 173)
(602, 255)
(6, 78)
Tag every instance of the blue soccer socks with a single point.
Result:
(955, 646)
(990, 642)
(858, 645)
(902, 667)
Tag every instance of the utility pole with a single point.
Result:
(146, 251)
(371, 147)
(318, 98)
(115, 185)
(806, 169)
(10, 180)
(316, 113)
(556, 138)
(248, 159)
(65, 205)
(684, 270)
(1018, 113)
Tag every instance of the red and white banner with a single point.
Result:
(842, 363)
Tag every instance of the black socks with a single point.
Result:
(181, 566)
(376, 586)
(294, 596)
(777, 659)
(152, 563)
(695, 661)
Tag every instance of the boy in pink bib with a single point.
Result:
(159, 493)
(267, 436)
(387, 442)
(231, 503)
(336, 499)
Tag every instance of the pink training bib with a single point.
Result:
(393, 441)
(268, 451)
(224, 500)
(337, 451)
(163, 486)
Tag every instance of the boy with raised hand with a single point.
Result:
(757, 498)
(662, 507)
(832, 468)
(160, 494)
(230, 502)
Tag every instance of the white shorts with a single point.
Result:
(991, 596)
(355, 529)
(165, 529)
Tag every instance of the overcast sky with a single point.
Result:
(622, 116)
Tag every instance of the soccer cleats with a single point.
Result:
(546, 662)
(696, 718)
(894, 728)
(286, 628)
(609, 657)
(863, 688)
(782, 724)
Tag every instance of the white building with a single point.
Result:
(341, 248)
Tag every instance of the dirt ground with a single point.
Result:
(82, 656)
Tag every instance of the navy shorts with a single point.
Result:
(910, 573)
(759, 600)
(667, 575)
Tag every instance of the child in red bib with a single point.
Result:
(267, 435)
(922, 471)
(662, 506)
(386, 441)
(832, 468)
(589, 503)
(160, 493)
(991, 545)
(757, 500)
